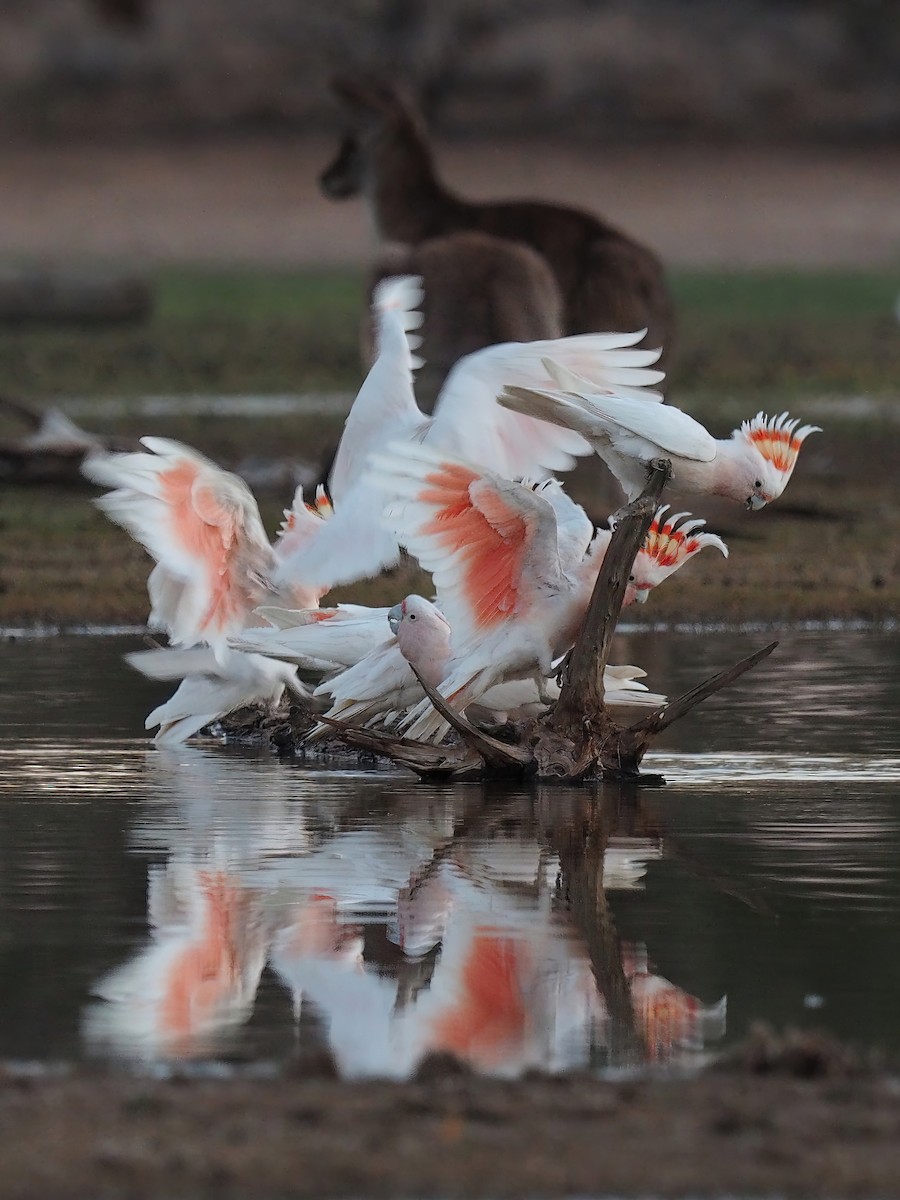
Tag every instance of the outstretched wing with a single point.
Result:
(386, 398)
(352, 544)
(488, 542)
(202, 526)
(631, 427)
(319, 639)
(469, 424)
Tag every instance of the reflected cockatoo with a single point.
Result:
(753, 466)
(198, 976)
(467, 422)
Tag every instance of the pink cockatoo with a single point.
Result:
(215, 563)
(513, 564)
(382, 686)
(467, 423)
(753, 466)
(214, 566)
(666, 548)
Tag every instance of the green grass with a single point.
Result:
(746, 340)
(232, 331)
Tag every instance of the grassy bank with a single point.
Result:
(747, 340)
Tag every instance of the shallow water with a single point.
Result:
(215, 903)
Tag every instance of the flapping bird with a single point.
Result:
(513, 564)
(215, 563)
(467, 423)
(753, 466)
(211, 687)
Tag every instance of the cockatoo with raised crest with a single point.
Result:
(753, 466)
(513, 564)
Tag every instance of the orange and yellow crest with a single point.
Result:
(669, 544)
(778, 439)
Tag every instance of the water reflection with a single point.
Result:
(768, 869)
(473, 924)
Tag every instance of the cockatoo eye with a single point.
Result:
(758, 483)
(631, 579)
(412, 616)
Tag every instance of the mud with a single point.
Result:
(794, 1117)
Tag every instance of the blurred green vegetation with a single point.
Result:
(830, 547)
(236, 331)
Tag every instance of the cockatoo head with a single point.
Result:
(669, 543)
(771, 446)
(423, 635)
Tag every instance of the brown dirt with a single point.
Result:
(257, 201)
(803, 1120)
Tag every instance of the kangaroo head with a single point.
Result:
(380, 118)
(345, 174)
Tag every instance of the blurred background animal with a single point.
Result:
(608, 281)
(479, 291)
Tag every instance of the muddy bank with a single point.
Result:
(796, 1118)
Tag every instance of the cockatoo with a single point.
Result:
(381, 686)
(467, 423)
(513, 564)
(215, 564)
(752, 466)
(211, 688)
(670, 542)
(321, 641)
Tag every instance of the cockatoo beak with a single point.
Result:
(394, 617)
(755, 502)
(641, 594)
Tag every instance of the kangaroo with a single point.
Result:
(478, 290)
(607, 280)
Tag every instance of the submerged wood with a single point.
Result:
(578, 738)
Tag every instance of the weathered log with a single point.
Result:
(72, 296)
(52, 450)
(495, 753)
(458, 761)
(580, 731)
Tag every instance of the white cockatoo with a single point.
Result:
(513, 564)
(467, 423)
(753, 466)
(320, 641)
(210, 688)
